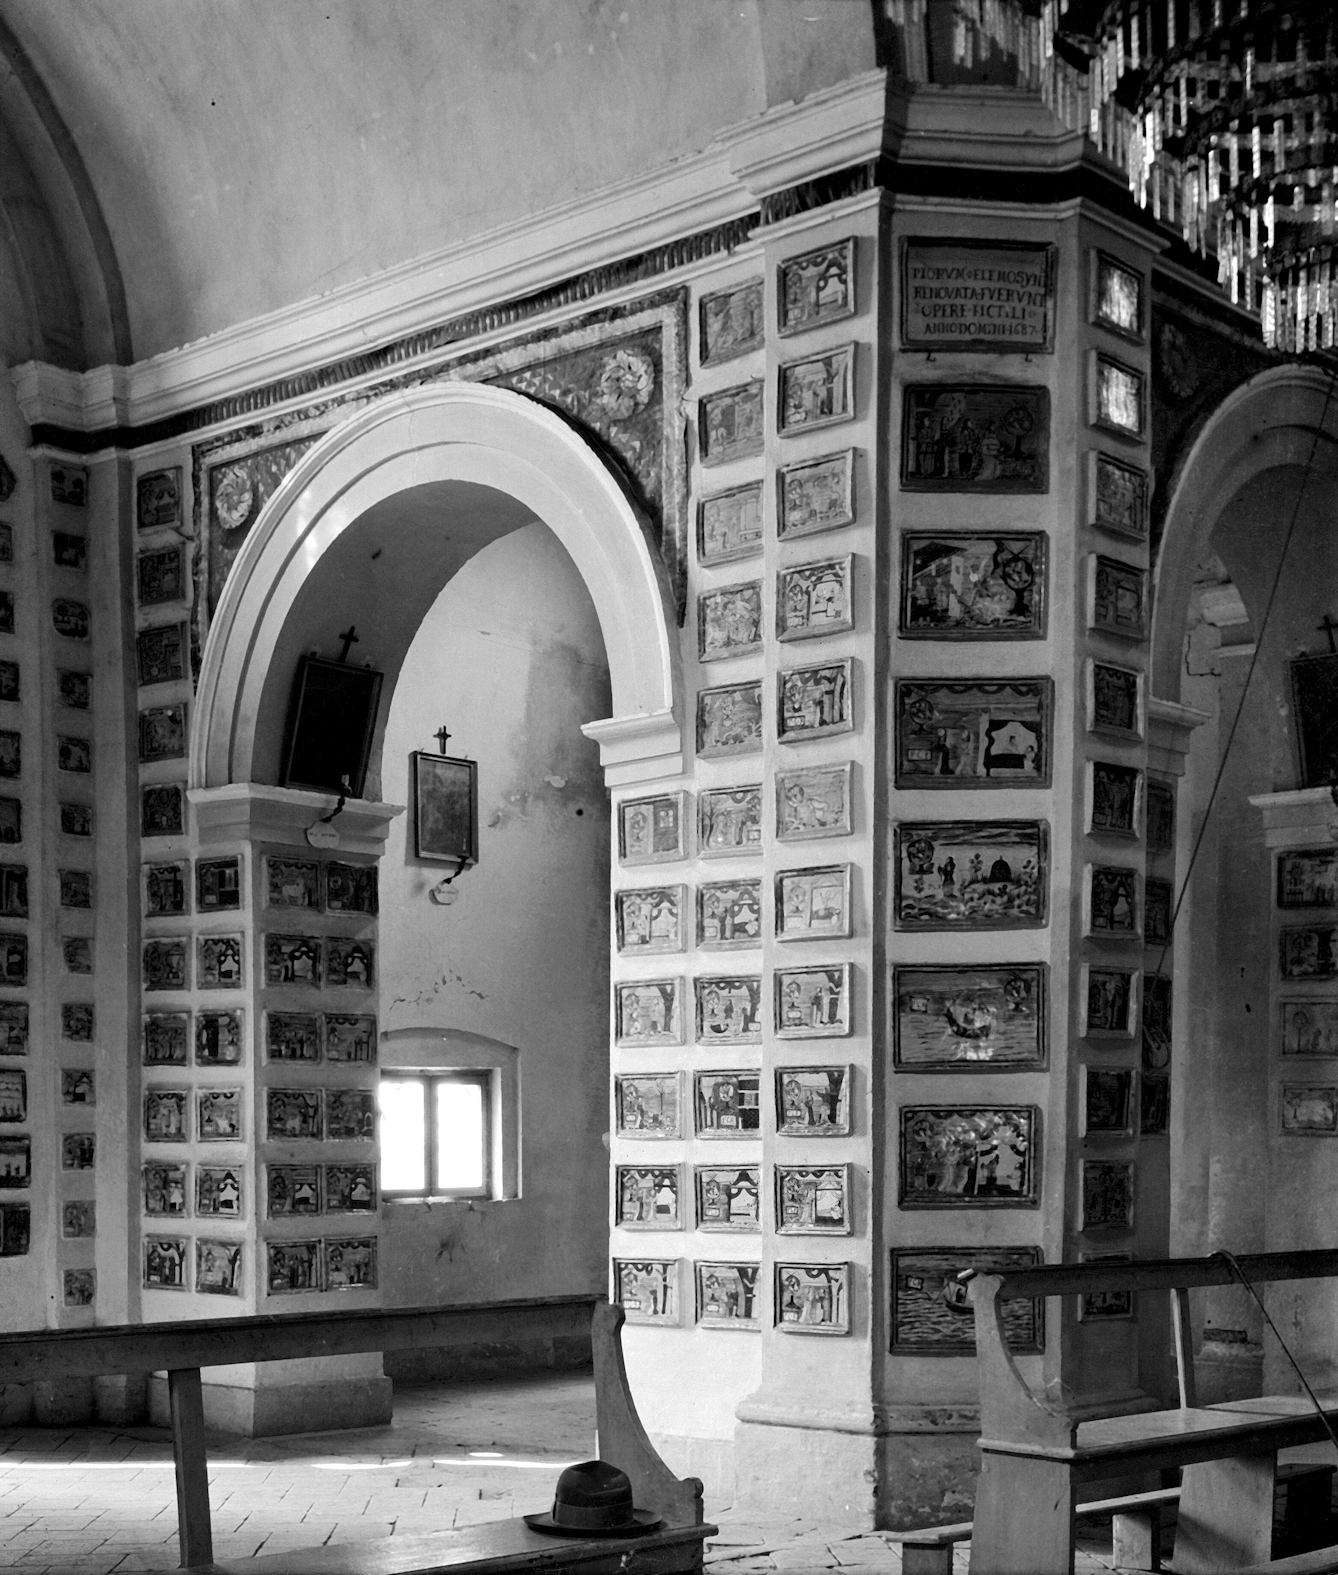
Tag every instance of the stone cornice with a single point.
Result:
(250, 812)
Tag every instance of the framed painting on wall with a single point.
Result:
(446, 809)
(649, 1105)
(931, 1315)
(975, 437)
(1114, 700)
(818, 391)
(648, 1012)
(812, 1298)
(1308, 1110)
(1309, 1027)
(652, 830)
(647, 1289)
(971, 874)
(813, 1101)
(969, 1156)
(332, 712)
(973, 733)
(1308, 878)
(1117, 498)
(729, 1009)
(728, 1295)
(729, 525)
(813, 1200)
(948, 1018)
(728, 1198)
(731, 322)
(813, 1002)
(729, 821)
(960, 585)
(815, 495)
(1315, 700)
(816, 287)
(727, 1104)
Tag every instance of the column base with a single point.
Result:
(868, 1478)
(258, 1402)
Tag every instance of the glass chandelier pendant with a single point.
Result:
(1224, 113)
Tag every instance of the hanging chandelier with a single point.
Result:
(1225, 114)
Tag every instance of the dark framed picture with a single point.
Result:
(158, 498)
(1118, 396)
(445, 809)
(1117, 496)
(1308, 1027)
(1308, 1110)
(977, 295)
(1156, 1019)
(1308, 878)
(730, 423)
(166, 1036)
(1107, 1195)
(1114, 700)
(162, 733)
(1112, 906)
(732, 323)
(973, 733)
(729, 621)
(1117, 296)
(959, 585)
(1158, 906)
(1114, 799)
(161, 653)
(1097, 1305)
(331, 715)
(931, 1313)
(729, 524)
(1117, 597)
(1315, 698)
(990, 1018)
(971, 874)
(817, 287)
(1107, 1101)
(818, 391)
(160, 576)
(970, 1157)
(1160, 831)
(975, 437)
(1110, 1002)
(1309, 953)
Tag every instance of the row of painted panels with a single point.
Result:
(309, 884)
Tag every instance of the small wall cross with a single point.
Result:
(349, 637)
(1330, 628)
(441, 735)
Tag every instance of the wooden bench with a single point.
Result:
(1136, 1520)
(503, 1546)
(1035, 1455)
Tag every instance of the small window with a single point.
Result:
(435, 1134)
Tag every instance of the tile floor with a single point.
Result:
(97, 1501)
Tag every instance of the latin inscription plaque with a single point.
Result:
(963, 295)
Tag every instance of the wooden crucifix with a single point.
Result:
(349, 637)
(442, 737)
(1329, 627)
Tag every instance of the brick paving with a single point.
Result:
(97, 1501)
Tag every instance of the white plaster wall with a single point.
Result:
(511, 660)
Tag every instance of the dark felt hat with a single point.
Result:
(594, 1499)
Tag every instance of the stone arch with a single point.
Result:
(1267, 424)
(504, 453)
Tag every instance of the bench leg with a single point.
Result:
(1136, 1539)
(1023, 1520)
(926, 1561)
(1226, 1515)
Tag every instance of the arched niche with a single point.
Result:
(377, 517)
(1260, 440)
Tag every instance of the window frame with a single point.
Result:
(430, 1078)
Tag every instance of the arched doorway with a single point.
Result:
(432, 523)
(1248, 571)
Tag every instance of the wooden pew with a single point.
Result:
(1035, 1456)
(182, 1349)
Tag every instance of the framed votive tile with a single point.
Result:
(1118, 395)
(1117, 296)
(729, 821)
(929, 1309)
(813, 1101)
(985, 1017)
(158, 498)
(728, 1198)
(651, 920)
(1117, 496)
(813, 802)
(652, 830)
(731, 322)
(648, 1012)
(972, 586)
(1114, 799)
(814, 599)
(729, 621)
(812, 1298)
(818, 391)
(813, 1002)
(730, 525)
(729, 1009)
(1309, 1027)
(1110, 1002)
(1107, 1102)
(975, 437)
(815, 702)
(727, 1103)
(1107, 1195)
(1117, 597)
(1102, 1306)
(1158, 910)
(648, 1289)
(730, 423)
(815, 495)
(1308, 1109)
(648, 1106)
(969, 1157)
(1114, 700)
(813, 1200)
(971, 874)
(729, 915)
(648, 1197)
(729, 719)
(816, 287)
(973, 733)
(813, 904)
(1111, 906)
(729, 1295)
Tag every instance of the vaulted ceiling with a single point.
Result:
(200, 163)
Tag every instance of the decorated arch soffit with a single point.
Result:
(283, 510)
(617, 375)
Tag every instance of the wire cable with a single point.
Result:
(1230, 1260)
